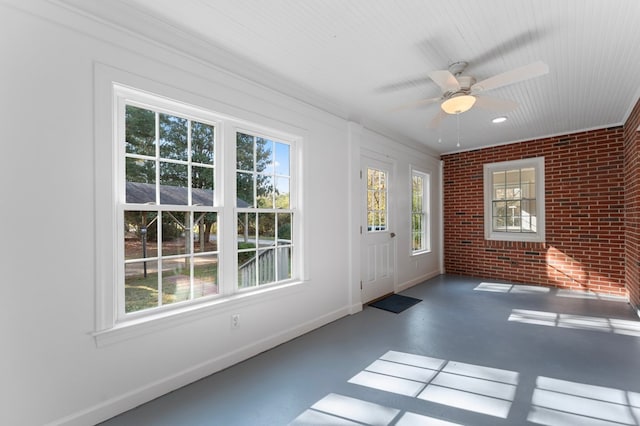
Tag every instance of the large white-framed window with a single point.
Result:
(420, 235)
(171, 204)
(514, 200)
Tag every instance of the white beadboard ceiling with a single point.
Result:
(361, 58)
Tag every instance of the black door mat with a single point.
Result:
(395, 303)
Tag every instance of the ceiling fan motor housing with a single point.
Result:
(466, 81)
(458, 68)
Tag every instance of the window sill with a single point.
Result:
(130, 329)
(516, 237)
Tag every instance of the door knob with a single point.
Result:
(393, 234)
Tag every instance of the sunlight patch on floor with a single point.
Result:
(577, 294)
(559, 402)
(466, 386)
(534, 289)
(511, 288)
(413, 419)
(475, 388)
(483, 390)
(387, 383)
(413, 360)
(340, 410)
(578, 322)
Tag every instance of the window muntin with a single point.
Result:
(419, 212)
(169, 222)
(265, 215)
(377, 195)
(514, 200)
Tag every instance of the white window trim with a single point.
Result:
(108, 329)
(426, 207)
(539, 235)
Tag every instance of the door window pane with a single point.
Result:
(376, 200)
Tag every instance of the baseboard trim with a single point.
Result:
(408, 284)
(129, 400)
(355, 308)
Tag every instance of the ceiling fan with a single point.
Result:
(461, 92)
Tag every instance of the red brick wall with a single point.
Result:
(632, 204)
(584, 185)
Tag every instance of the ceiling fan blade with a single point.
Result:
(437, 119)
(446, 80)
(405, 84)
(495, 104)
(515, 75)
(515, 43)
(415, 104)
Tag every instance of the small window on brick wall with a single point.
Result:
(514, 200)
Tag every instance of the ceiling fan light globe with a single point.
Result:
(458, 104)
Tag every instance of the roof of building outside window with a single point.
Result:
(143, 193)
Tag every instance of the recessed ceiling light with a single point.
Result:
(499, 120)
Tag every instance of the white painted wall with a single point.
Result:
(51, 369)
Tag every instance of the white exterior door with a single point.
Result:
(378, 244)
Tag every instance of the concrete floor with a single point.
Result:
(472, 352)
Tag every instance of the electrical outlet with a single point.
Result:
(235, 321)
